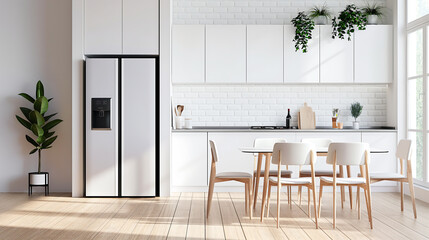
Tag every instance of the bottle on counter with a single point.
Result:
(288, 119)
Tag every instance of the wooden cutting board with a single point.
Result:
(306, 118)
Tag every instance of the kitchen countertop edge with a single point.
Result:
(283, 130)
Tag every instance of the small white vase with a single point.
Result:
(38, 179)
(321, 20)
(372, 19)
(355, 125)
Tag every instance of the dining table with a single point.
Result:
(267, 152)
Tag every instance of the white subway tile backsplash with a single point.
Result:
(267, 105)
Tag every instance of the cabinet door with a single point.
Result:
(226, 54)
(189, 159)
(138, 126)
(301, 67)
(336, 58)
(264, 54)
(140, 27)
(188, 54)
(374, 55)
(231, 159)
(103, 26)
(382, 162)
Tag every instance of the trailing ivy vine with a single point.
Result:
(304, 26)
(348, 20)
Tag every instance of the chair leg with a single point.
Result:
(246, 198)
(351, 197)
(299, 195)
(251, 198)
(343, 196)
(278, 205)
(402, 196)
(308, 202)
(358, 201)
(268, 199)
(334, 206)
(412, 194)
(210, 197)
(368, 190)
(290, 197)
(320, 199)
(314, 205)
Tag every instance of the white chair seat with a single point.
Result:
(385, 175)
(318, 172)
(353, 180)
(292, 180)
(285, 173)
(234, 175)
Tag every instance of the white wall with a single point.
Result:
(253, 105)
(255, 11)
(35, 45)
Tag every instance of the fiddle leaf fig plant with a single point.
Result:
(304, 26)
(348, 20)
(41, 126)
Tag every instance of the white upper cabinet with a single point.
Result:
(140, 27)
(336, 58)
(264, 54)
(188, 54)
(301, 67)
(374, 55)
(103, 26)
(226, 53)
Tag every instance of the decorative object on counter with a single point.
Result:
(320, 15)
(348, 20)
(179, 119)
(306, 118)
(340, 125)
(335, 113)
(304, 26)
(373, 13)
(356, 110)
(288, 119)
(188, 123)
(39, 124)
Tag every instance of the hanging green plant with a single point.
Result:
(304, 26)
(348, 20)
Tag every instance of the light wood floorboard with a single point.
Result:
(184, 216)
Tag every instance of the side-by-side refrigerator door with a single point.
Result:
(138, 127)
(101, 174)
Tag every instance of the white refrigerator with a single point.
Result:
(121, 156)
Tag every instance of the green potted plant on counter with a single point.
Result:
(320, 15)
(40, 125)
(348, 20)
(304, 26)
(356, 110)
(373, 12)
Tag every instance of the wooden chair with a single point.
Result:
(324, 143)
(403, 152)
(293, 154)
(243, 177)
(269, 144)
(348, 154)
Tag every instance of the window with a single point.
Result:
(417, 85)
(417, 9)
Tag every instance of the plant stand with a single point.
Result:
(45, 183)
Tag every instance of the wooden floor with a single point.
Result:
(182, 216)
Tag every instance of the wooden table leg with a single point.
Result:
(350, 187)
(258, 175)
(264, 192)
(342, 187)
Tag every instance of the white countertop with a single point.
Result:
(247, 129)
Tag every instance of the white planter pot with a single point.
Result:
(372, 19)
(355, 125)
(180, 122)
(321, 20)
(38, 179)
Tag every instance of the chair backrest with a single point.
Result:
(293, 153)
(267, 142)
(318, 142)
(347, 153)
(214, 151)
(403, 150)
